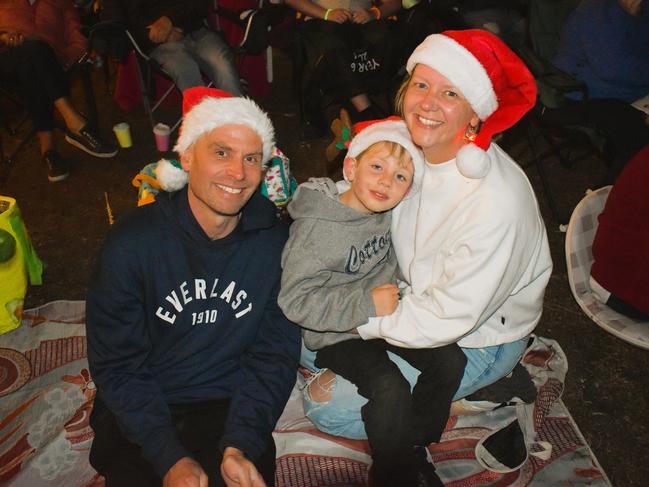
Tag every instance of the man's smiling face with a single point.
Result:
(225, 169)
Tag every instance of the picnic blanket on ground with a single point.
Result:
(46, 395)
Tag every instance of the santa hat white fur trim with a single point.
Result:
(457, 64)
(212, 112)
(170, 176)
(393, 131)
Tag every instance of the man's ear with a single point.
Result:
(349, 168)
(186, 158)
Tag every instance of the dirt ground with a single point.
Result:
(606, 390)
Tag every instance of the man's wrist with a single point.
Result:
(231, 451)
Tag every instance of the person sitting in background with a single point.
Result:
(605, 44)
(618, 277)
(505, 18)
(175, 34)
(39, 41)
(334, 30)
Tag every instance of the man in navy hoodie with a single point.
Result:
(192, 358)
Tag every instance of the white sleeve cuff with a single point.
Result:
(370, 330)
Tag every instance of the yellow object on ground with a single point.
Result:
(18, 263)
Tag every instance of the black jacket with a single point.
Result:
(174, 317)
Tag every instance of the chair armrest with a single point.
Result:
(551, 79)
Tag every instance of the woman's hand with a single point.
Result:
(386, 299)
(238, 471)
(11, 39)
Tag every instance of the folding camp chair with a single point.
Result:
(579, 260)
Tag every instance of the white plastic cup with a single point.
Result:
(161, 132)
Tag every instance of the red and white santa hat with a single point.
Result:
(392, 129)
(493, 79)
(205, 109)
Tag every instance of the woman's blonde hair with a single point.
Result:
(401, 94)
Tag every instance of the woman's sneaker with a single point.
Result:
(57, 167)
(90, 141)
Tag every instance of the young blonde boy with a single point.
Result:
(339, 270)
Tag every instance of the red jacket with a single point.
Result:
(53, 21)
(621, 246)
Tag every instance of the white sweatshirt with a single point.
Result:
(474, 258)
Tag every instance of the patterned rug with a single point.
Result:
(46, 395)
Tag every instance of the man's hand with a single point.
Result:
(386, 299)
(159, 30)
(238, 471)
(11, 39)
(363, 16)
(339, 15)
(186, 472)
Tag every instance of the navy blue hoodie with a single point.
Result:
(174, 317)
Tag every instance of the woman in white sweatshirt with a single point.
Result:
(472, 247)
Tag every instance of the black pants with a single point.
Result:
(396, 419)
(349, 58)
(34, 69)
(622, 125)
(200, 426)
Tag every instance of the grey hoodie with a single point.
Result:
(333, 259)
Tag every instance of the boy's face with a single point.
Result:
(379, 180)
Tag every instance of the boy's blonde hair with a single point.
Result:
(396, 150)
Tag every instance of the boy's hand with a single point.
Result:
(386, 299)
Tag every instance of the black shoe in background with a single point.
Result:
(91, 142)
(57, 167)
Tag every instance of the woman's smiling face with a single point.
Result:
(437, 114)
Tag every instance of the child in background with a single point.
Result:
(339, 270)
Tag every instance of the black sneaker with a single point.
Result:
(90, 142)
(57, 167)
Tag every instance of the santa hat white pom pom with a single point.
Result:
(473, 162)
(170, 176)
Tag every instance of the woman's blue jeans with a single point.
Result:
(341, 416)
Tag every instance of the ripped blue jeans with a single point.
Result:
(341, 416)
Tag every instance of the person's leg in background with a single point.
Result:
(216, 60)
(44, 84)
(51, 78)
(177, 60)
